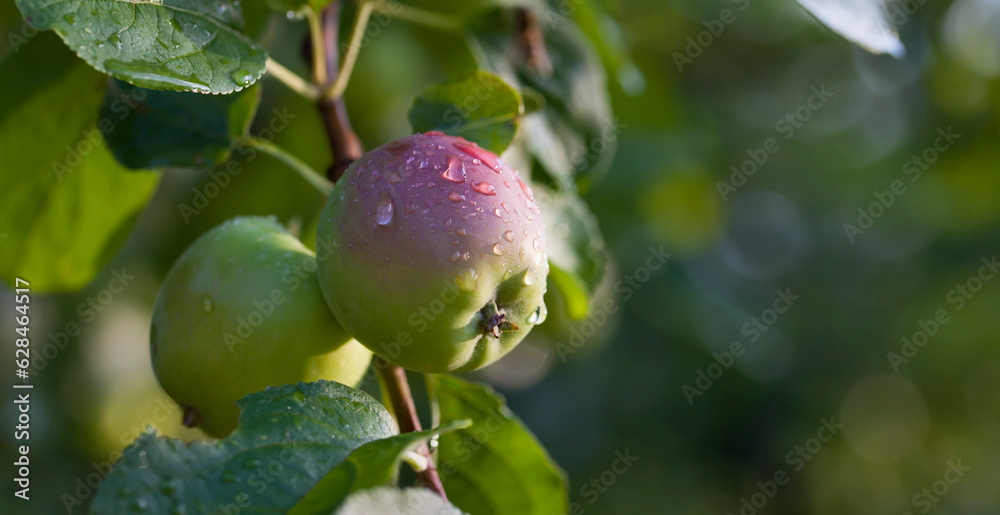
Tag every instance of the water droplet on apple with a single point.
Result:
(480, 154)
(383, 211)
(455, 172)
(509, 235)
(498, 249)
(484, 187)
(530, 276)
(527, 190)
(455, 196)
(466, 279)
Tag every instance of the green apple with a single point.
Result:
(241, 310)
(437, 257)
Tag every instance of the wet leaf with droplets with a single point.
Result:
(180, 45)
(306, 429)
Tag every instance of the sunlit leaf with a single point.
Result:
(495, 466)
(66, 206)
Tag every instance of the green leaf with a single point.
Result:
(373, 464)
(573, 293)
(575, 248)
(172, 129)
(496, 466)
(181, 45)
(862, 22)
(65, 204)
(477, 106)
(288, 439)
(391, 501)
(575, 135)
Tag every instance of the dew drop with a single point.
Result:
(430, 185)
(140, 504)
(466, 256)
(497, 212)
(455, 257)
(526, 189)
(408, 207)
(208, 304)
(393, 176)
(460, 231)
(383, 211)
(455, 196)
(466, 279)
(242, 77)
(530, 276)
(484, 187)
(509, 235)
(498, 249)
(539, 315)
(535, 244)
(455, 172)
(481, 154)
(504, 206)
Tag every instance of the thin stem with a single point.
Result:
(336, 90)
(417, 15)
(311, 176)
(344, 142)
(293, 81)
(397, 389)
(319, 70)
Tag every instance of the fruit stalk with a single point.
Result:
(344, 142)
(396, 388)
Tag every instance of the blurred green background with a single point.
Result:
(627, 390)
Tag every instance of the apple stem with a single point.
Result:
(397, 389)
(344, 142)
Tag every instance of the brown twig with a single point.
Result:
(344, 142)
(397, 389)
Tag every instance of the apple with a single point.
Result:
(437, 259)
(241, 310)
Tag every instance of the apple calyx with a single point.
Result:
(495, 321)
